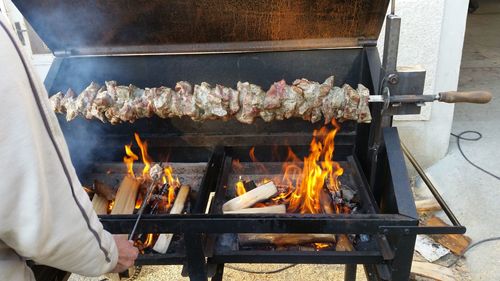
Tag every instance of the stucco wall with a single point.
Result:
(432, 34)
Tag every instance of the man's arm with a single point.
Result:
(46, 215)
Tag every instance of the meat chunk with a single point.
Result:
(364, 115)
(85, 99)
(209, 101)
(56, 102)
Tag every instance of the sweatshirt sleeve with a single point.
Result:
(46, 214)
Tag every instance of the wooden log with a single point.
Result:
(274, 209)
(432, 271)
(253, 196)
(456, 243)
(163, 241)
(284, 239)
(104, 190)
(343, 244)
(126, 196)
(427, 205)
(100, 204)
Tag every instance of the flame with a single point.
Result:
(149, 240)
(129, 159)
(111, 204)
(318, 167)
(171, 196)
(240, 188)
(303, 181)
(144, 153)
(320, 246)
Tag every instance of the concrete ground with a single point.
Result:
(472, 194)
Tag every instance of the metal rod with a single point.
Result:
(404, 98)
(141, 210)
(393, 7)
(431, 186)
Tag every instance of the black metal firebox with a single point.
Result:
(131, 52)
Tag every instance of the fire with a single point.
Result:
(149, 240)
(305, 180)
(318, 168)
(129, 159)
(240, 188)
(144, 153)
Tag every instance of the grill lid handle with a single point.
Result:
(468, 97)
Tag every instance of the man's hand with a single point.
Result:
(127, 253)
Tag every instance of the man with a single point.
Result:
(45, 215)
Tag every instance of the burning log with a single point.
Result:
(255, 195)
(103, 195)
(126, 196)
(100, 204)
(163, 241)
(104, 190)
(344, 244)
(274, 209)
(284, 239)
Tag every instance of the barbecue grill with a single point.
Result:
(156, 43)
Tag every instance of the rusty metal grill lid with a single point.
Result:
(129, 26)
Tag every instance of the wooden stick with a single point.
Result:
(253, 196)
(457, 243)
(284, 239)
(163, 241)
(433, 271)
(126, 196)
(100, 204)
(427, 205)
(275, 209)
(343, 244)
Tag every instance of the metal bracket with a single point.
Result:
(413, 230)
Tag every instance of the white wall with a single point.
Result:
(432, 34)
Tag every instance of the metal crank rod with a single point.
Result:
(479, 97)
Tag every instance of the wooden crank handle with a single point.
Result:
(469, 97)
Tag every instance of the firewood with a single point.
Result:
(104, 190)
(126, 196)
(100, 204)
(457, 243)
(284, 239)
(163, 241)
(343, 244)
(275, 209)
(427, 205)
(432, 271)
(246, 200)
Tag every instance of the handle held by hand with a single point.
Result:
(468, 97)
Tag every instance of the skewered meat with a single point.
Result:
(305, 99)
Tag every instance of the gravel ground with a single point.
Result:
(299, 272)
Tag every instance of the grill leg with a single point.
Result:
(401, 265)
(350, 272)
(195, 257)
(219, 272)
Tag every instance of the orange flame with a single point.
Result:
(129, 159)
(240, 188)
(144, 153)
(318, 167)
(149, 240)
